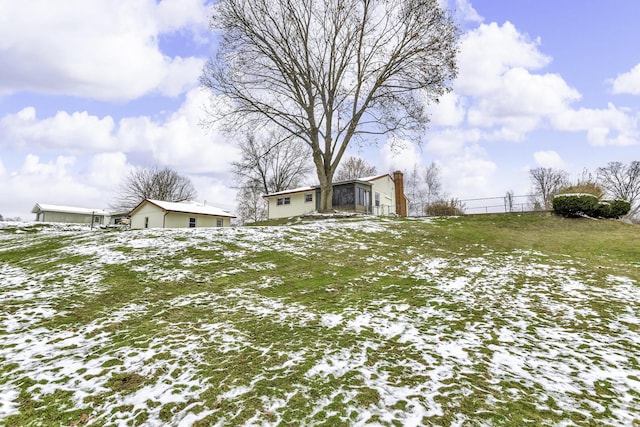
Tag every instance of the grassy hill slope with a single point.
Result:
(513, 320)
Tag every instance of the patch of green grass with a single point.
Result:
(247, 321)
(125, 382)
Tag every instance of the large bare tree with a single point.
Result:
(622, 182)
(354, 168)
(330, 71)
(546, 183)
(153, 183)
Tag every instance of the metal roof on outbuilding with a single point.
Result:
(183, 207)
(43, 207)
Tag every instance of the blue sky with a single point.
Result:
(89, 90)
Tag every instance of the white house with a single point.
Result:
(377, 195)
(160, 214)
(69, 214)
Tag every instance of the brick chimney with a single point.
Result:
(401, 200)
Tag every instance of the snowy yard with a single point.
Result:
(350, 322)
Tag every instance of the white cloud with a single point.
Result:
(98, 49)
(73, 132)
(180, 76)
(399, 154)
(214, 191)
(522, 101)
(175, 14)
(52, 181)
(106, 170)
(628, 82)
(611, 126)
(490, 51)
(449, 111)
(549, 159)
(180, 141)
(501, 95)
(450, 142)
(469, 175)
(177, 140)
(497, 84)
(466, 12)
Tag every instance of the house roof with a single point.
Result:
(42, 207)
(293, 190)
(375, 177)
(183, 207)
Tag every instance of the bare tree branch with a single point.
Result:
(546, 183)
(269, 163)
(622, 181)
(354, 168)
(154, 183)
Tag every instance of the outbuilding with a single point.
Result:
(160, 214)
(69, 214)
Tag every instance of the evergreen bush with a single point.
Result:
(576, 204)
(604, 210)
(619, 208)
(582, 204)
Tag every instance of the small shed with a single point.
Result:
(160, 214)
(69, 214)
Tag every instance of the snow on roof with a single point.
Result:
(374, 177)
(43, 207)
(293, 190)
(194, 208)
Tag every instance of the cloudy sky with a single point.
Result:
(91, 89)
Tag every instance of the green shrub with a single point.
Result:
(619, 208)
(603, 210)
(581, 204)
(576, 204)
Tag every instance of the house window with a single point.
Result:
(192, 222)
(219, 222)
(287, 200)
(308, 197)
(280, 201)
(96, 219)
(146, 222)
(377, 196)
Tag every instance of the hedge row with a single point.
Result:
(575, 205)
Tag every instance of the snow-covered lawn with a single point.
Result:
(309, 324)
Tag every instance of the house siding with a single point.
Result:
(297, 207)
(154, 213)
(159, 219)
(387, 190)
(68, 217)
(181, 220)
